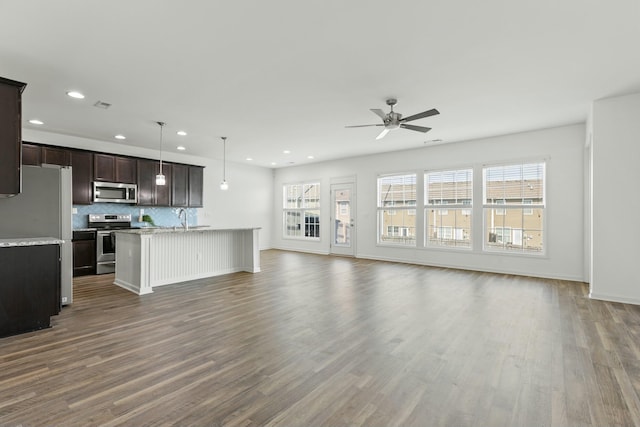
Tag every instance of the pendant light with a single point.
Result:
(160, 179)
(224, 186)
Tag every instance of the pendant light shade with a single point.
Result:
(224, 185)
(160, 178)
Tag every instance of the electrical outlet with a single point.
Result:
(64, 299)
(74, 210)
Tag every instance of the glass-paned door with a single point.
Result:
(342, 219)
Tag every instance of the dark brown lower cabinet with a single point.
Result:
(29, 289)
(84, 253)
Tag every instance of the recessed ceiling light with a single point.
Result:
(36, 122)
(287, 152)
(273, 163)
(181, 133)
(120, 137)
(180, 147)
(249, 158)
(310, 157)
(75, 94)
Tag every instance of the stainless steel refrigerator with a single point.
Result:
(43, 209)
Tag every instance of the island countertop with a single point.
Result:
(160, 230)
(29, 241)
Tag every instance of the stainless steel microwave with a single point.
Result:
(114, 192)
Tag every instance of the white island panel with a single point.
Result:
(145, 259)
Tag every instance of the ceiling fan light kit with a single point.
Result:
(393, 120)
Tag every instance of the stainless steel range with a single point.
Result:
(105, 225)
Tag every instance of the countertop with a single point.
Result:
(160, 230)
(30, 241)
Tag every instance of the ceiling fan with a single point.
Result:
(393, 120)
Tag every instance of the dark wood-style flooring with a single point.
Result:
(316, 340)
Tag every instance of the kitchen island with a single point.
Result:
(146, 258)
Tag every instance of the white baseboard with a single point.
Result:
(486, 270)
(307, 251)
(614, 298)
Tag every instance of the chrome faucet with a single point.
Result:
(185, 223)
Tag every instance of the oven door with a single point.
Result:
(105, 252)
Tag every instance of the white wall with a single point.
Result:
(615, 198)
(247, 203)
(563, 148)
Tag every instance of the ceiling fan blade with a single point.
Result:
(379, 113)
(363, 126)
(416, 128)
(382, 134)
(424, 114)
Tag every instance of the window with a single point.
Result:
(301, 211)
(397, 226)
(517, 226)
(450, 226)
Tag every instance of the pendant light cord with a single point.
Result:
(224, 158)
(161, 126)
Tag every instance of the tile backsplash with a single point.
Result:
(162, 216)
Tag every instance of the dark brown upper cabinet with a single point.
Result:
(31, 154)
(56, 156)
(180, 185)
(163, 192)
(126, 170)
(184, 183)
(36, 155)
(104, 167)
(82, 176)
(10, 136)
(195, 186)
(110, 168)
(150, 194)
(146, 182)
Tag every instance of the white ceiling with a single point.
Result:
(289, 74)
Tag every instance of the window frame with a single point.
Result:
(526, 206)
(303, 212)
(461, 206)
(391, 208)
